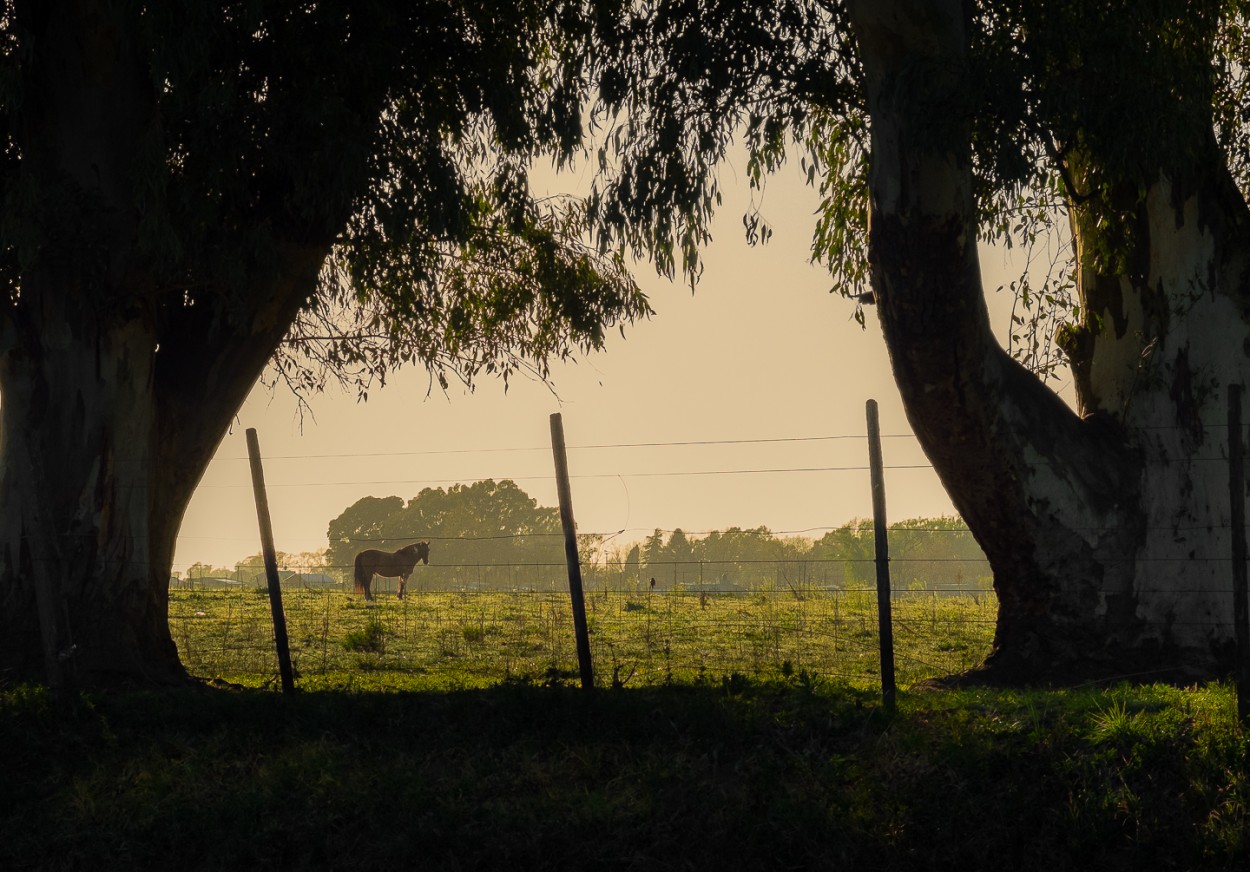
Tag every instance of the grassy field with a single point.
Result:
(744, 732)
(440, 640)
(733, 774)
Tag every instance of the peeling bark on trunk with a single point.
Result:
(76, 485)
(1107, 531)
(1162, 341)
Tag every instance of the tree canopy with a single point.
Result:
(399, 134)
(1047, 91)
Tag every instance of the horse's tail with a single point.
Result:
(362, 581)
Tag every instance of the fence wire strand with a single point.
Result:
(638, 636)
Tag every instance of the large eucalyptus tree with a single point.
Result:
(932, 125)
(185, 184)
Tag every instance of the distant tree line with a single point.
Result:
(486, 534)
(492, 535)
(924, 553)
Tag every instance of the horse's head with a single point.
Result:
(421, 551)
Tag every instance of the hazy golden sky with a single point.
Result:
(761, 351)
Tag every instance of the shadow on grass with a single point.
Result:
(727, 775)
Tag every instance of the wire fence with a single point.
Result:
(799, 575)
(474, 623)
(639, 636)
(810, 614)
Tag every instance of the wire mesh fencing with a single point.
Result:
(673, 607)
(639, 635)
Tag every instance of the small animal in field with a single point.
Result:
(389, 564)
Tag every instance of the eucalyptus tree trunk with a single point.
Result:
(83, 557)
(107, 425)
(114, 395)
(1107, 528)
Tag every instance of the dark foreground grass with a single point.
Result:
(722, 775)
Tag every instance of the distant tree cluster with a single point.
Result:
(492, 535)
(924, 552)
(487, 533)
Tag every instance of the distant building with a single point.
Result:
(296, 580)
(208, 582)
(313, 580)
(287, 578)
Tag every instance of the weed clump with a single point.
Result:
(369, 639)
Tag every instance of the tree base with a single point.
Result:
(1136, 667)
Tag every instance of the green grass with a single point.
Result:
(433, 640)
(370, 639)
(733, 732)
(720, 774)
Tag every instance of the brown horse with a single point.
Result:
(387, 564)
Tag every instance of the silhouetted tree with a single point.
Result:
(187, 184)
(931, 126)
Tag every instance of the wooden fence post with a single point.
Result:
(271, 564)
(580, 630)
(1237, 504)
(885, 623)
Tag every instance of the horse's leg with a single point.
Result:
(369, 587)
(403, 583)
